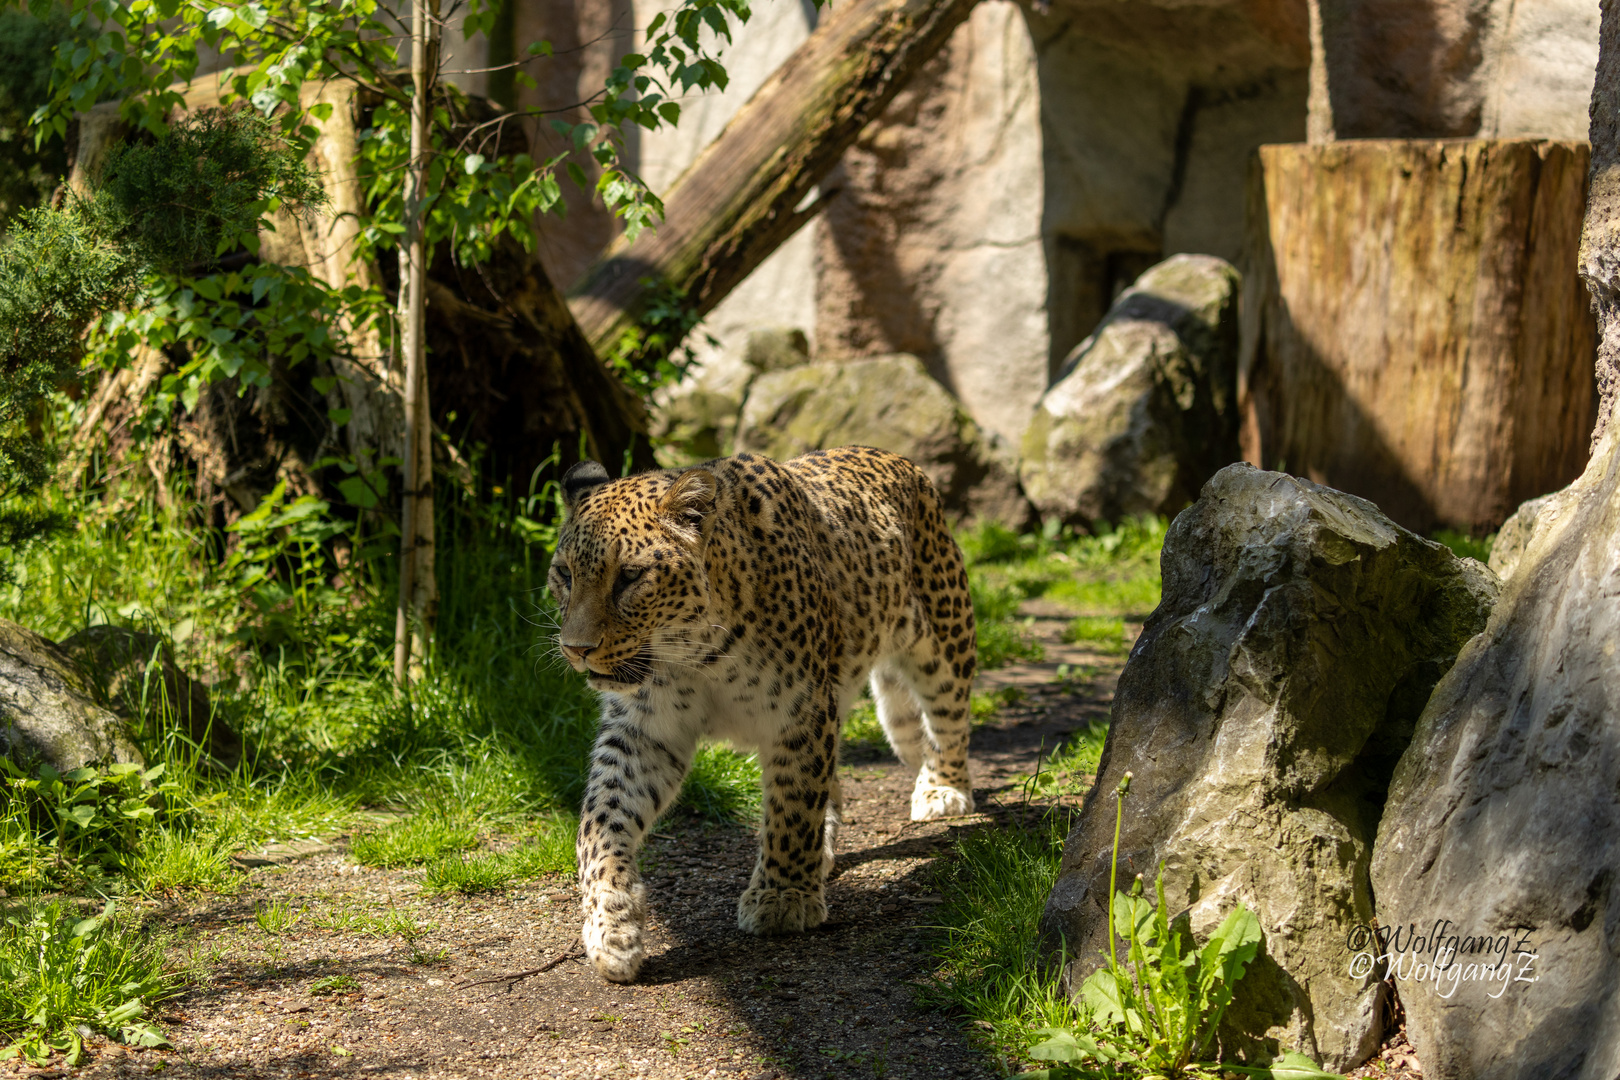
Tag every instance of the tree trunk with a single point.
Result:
(418, 585)
(517, 375)
(1413, 330)
(743, 197)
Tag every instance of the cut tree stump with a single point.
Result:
(746, 193)
(1414, 330)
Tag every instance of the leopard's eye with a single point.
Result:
(629, 576)
(562, 572)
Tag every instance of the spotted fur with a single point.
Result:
(747, 599)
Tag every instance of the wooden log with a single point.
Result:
(1414, 330)
(744, 196)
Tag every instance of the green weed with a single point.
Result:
(390, 922)
(1070, 769)
(276, 917)
(1156, 1012)
(334, 984)
(59, 972)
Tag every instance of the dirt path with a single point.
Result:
(711, 1001)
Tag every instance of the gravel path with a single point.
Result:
(496, 987)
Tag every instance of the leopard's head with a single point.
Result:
(629, 563)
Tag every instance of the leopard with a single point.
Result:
(749, 600)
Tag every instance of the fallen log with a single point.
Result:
(746, 194)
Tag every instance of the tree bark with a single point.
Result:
(518, 376)
(1414, 331)
(743, 197)
(418, 585)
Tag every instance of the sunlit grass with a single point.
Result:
(986, 946)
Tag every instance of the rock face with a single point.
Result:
(696, 419)
(1504, 815)
(48, 712)
(1262, 713)
(1144, 410)
(1451, 68)
(889, 402)
(114, 661)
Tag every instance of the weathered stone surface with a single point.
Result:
(48, 712)
(889, 402)
(1504, 815)
(696, 419)
(1518, 530)
(1144, 410)
(1413, 328)
(1262, 712)
(1451, 68)
(115, 662)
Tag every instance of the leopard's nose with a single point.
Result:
(577, 653)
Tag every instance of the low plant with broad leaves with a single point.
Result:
(64, 978)
(1156, 1013)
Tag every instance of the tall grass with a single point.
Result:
(995, 886)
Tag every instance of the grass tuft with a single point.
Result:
(427, 836)
(995, 885)
(723, 785)
(1105, 633)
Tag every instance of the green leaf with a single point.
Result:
(1291, 1066)
(1233, 944)
(221, 17)
(1101, 994)
(473, 163)
(82, 815)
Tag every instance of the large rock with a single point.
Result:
(696, 418)
(1451, 68)
(1504, 817)
(889, 402)
(134, 674)
(48, 709)
(1262, 712)
(1143, 411)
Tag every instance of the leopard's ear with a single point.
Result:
(579, 479)
(690, 499)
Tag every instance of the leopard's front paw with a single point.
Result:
(929, 801)
(612, 933)
(766, 910)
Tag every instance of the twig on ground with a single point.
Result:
(576, 949)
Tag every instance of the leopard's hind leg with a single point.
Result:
(922, 704)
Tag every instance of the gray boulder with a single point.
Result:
(696, 419)
(892, 403)
(1143, 411)
(1516, 532)
(48, 709)
(1262, 713)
